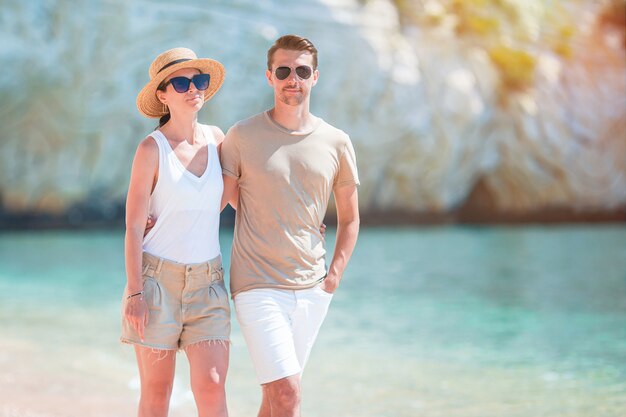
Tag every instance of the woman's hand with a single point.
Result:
(149, 225)
(137, 314)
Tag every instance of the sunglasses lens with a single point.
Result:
(201, 81)
(282, 72)
(180, 84)
(303, 72)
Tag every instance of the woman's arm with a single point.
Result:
(142, 180)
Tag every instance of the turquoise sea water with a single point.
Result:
(446, 322)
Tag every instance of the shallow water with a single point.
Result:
(471, 322)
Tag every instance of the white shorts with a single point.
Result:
(280, 327)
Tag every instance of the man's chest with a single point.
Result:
(301, 162)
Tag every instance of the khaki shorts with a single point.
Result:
(187, 303)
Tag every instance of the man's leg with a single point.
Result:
(307, 320)
(264, 318)
(265, 410)
(283, 396)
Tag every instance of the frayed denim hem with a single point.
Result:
(142, 344)
(225, 343)
(160, 353)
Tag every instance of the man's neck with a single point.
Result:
(294, 118)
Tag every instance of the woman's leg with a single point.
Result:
(156, 372)
(208, 362)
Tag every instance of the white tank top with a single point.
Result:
(186, 207)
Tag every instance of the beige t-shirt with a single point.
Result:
(285, 181)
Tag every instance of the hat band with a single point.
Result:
(178, 61)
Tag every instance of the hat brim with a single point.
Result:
(149, 105)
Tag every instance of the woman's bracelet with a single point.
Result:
(135, 294)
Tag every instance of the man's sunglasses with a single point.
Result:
(303, 71)
(181, 84)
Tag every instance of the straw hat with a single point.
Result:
(171, 61)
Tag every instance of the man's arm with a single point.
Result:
(231, 192)
(347, 203)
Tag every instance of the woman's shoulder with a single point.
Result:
(148, 147)
(217, 133)
(148, 143)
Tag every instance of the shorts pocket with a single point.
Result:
(222, 287)
(218, 275)
(152, 293)
(319, 289)
(218, 291)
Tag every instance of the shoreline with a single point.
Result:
(88, 219)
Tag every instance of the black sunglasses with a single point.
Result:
(303, 71)
(181, 84)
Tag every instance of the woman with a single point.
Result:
(175, 296)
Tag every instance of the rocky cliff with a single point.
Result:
(453, 107)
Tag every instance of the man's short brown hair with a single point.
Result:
(292, 43)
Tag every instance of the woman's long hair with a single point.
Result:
(164, 119)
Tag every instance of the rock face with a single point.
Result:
(432, 125)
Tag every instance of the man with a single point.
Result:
(281, 167)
